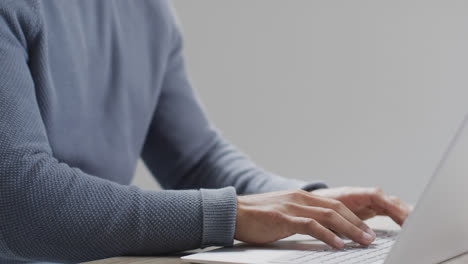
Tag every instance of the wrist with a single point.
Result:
(239, 217)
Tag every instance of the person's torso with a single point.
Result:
(101, 69)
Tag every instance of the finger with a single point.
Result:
(403, 207)
(333, 220)
(308, 226)
(366, 213)
(388, 206)
(344, 211)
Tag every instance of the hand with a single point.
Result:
(368, 202)
(264, 218)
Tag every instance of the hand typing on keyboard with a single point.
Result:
(368, 202)
(325, 215)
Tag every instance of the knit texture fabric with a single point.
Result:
(87, 88)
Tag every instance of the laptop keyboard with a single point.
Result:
(353, 253)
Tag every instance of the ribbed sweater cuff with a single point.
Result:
(314, 186)
(219, 216)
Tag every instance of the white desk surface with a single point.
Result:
(376, 223)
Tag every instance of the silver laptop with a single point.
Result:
(436, 230)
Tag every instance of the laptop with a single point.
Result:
(435, 231)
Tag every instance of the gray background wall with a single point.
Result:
(352, 92)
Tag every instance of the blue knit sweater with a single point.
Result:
(87, 88)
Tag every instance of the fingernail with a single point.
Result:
(367, 238)
(371, 232)
(339, 243)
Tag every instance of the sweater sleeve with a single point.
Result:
(184, 151)
(55, 212)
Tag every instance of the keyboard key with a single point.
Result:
(352, 253)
